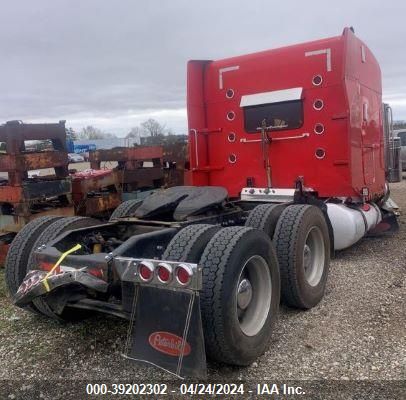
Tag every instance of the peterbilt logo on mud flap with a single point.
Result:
(168, 343)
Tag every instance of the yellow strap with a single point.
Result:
(61, 258)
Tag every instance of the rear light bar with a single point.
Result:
(169, 274)
(183, 274)
(164, 272)
(145, 270)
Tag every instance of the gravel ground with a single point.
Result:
(356, 333)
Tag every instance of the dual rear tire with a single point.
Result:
(125, 209)
(301, 237)
(245, 274)
(302, 244)
(241, 288)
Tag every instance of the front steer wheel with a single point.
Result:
(240, 295)
(303, 248)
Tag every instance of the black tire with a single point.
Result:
(292, 233)
(223, 261)
(126, 209)
(50, 233)
(188, 244)
(265, 217)
(16, 264)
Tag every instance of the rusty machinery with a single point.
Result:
(22, 196)
(174, 156)
(137, 167)
(95, 192)
(25, 196)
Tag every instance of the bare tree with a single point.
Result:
(149, 132)
(71, 133)
(153, 128)
(90, 132)
(135, 133)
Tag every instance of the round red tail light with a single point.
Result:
(146, 270)
(184, 274)
(164, 272)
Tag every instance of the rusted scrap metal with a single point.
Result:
(12, 223)
(35, 189)
(15, 133)
(93, 180)
(137, 167)
(141, 177)
(100, 204)
(17, 161)
(95, 192)
(22, 197)
(18, 165)
(174, 159)
(124, 154)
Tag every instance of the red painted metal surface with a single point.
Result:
(352, 139)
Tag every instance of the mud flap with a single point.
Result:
(166, 331)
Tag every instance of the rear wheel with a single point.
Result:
(50, 233)
(303, 248)
(240, 294)
(126, 209)
(16, 264)
(265, 217)
(188, 244)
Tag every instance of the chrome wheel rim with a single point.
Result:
(253, 295)
(313, 256)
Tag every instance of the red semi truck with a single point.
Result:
(287, 163)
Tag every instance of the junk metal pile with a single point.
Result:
(25, 193)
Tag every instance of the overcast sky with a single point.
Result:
(113, 64)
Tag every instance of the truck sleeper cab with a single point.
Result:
(286, 166)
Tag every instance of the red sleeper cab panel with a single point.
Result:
(341, 151)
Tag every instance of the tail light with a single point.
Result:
(175, 275)
(164, 272)
(46, 266)
(146, 270)
(184, 274)
(96, 272)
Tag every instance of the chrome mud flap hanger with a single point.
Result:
(165, 326)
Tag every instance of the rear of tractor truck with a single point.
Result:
(286, 166)
(202, 289)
